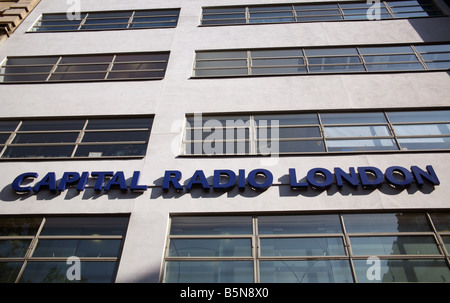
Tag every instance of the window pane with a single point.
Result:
(386, 50)
(9, 271)
(302, 247)
(209, 272)
(357, 131)
(72, 77)
(79, 248)
(221, 72)
(361, 145)
(389, 222)
(119, 123)
(210, 248)
(8, 125)
(270, 62)
(211, 225)
(390, 58)
(13, 248)
(438, 65)
(86, 59)
(85, 226)
(111, 150)
(222, 55)
(424, 143)
(422, 129)
(171, 12)
(299, 119)
(278, 70)
(405, 271)
(221, 63)
(120, 58)
(219, 22)
(441, 221)
(300, 146)
(45, 138)
(395, 245)
(52, 125)
(31, 60)
(336, 68)
(276, 53)
(289, 132)
(419, 116)
(275, 8)
(115, 136)
(433, 48)
(333, 60)
(352, 118)
(38, 151)
(81, 68)
(446, 240)
(19, 226)
(333, 271)
(4, 138)
(394, 67)
(330, 51)
(55, 272)
(302, 224)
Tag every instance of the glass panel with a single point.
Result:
(85, 226)
(26, 69)
(113, 150)
(222, 55)
(385, 50)
(357, 131)
(211, 225)
(390, 58)
(19, 226)
(157, 13)
(389, 222)
(318, 12)
(218, 148)
(277, 53)
(139, 66)
(221, 72)
(209, 272)
(330, 51)
(278, 70)
(224, 10)
(54, 28)
(218, 134)
(315, 7)
(4, 138)
(38, 151)
(361, 145)
(45, 138)
(9, 271)
(286, 61)
(395, 245)
(25, 78)
(433, 48)
(55, 272)
(289, 132)
(281, 119)
(302, 247)
(210, 248)
(271, 20)
(221, 63)
(152, 25)
(219, 22)
(424, 143)
(301, 224)
(71, 77)
(352, 118)
(446, 240)
(275, 8)
(394, 67)
(81, 68)
(121, 14)
(270, 14)
(119, 123)
(315, 146)
(336, 68)
(141, 57)
(52, 125)
(422, 129)
(441, 221)
(438, 65)
(115, 136)
(13, 248)
(419, 116)
(31, 60)
(333, 271)
(405, 271)
(86, 59)
(318, 18)
(79, 248)
(8, 125)
(333, 60)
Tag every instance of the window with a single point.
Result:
(135, 66)
(324, 132)
(108, 20)
(75, 138)
(36, 249)
(300, 248)
(345, 59)
(317, 12)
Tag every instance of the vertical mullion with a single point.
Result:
(30, 250)
(294, 13)
(83, 21)
(361, 57)
(55, 66)
(305, 59)
(389, 9)
(252, 136)
(247, 15)
(440, 243)
(391, 128)
(348, 249)
(110, 66)
(322, 132)
(249, 62)
(131, 19)
(419, 57)
(255, 251)
(79, 138)
(341, 11)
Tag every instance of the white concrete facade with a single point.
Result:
(178, 94)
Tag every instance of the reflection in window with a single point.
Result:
(308, 248)
(318, 133)
(322, 60)
(108, 20)
(97, 241)
(146, 66)
(75, 138)
(317, 12)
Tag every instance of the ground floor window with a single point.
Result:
(302, 248)
(61, 248)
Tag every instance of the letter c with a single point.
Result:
(16, 185)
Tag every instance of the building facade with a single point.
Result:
(237, 141)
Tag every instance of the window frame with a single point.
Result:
(36, 237)
(84, 16)
(78, 141)
(443, 253)
(187, 144)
